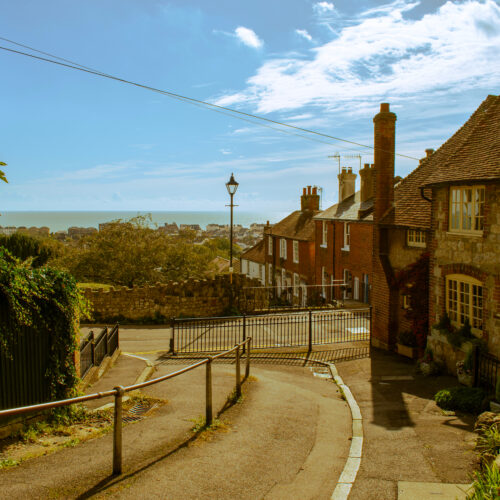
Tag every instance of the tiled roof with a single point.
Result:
(473, 152)
(410, 209)
(255, 253)
(352, 208)
(298, 226)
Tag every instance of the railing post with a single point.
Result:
(106, 341)
(208, 391)
(238, 373)
(117, 431)
(247, 368)
(244, 331)
(92, 347)
(310, 330)
(475, 367)
(172, 338)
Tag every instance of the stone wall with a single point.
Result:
(192, 298)
(474, 255)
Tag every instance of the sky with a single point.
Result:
(75, 141)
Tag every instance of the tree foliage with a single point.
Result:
(48, 301)
(2, 174)
(26, 247)
(132, 253)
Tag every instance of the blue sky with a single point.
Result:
(74, 141)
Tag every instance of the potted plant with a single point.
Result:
(427, 364)
(407, 344)
(464, 370)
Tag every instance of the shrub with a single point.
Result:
(466, 399)
(486, 484)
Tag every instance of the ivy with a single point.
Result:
(413, 281)
(49, 302)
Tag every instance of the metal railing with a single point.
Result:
(119, 391)
(486, 370)
(95, 348)
(305, 328)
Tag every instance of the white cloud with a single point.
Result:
(248, 37)
(386, 56)
(225, 151)
(304, 34)
(323, 7)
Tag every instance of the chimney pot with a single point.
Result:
(308, 189)
(315, 190)
(384, 107)
(304, 191)
(366, 165)
(349, 169)
(429, 152)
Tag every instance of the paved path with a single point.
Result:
(288, 439)
(407, 437)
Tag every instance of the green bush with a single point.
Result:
(466, 399)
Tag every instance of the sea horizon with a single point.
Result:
(61, 220)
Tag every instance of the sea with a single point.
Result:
(61, 221)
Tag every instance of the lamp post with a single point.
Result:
(231, 187)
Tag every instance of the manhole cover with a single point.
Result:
(138, 411)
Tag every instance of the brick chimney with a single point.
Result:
(309, 199)
(347, 183)
(385, 144)
(367, 174)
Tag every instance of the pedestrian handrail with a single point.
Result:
(95, 347)
(119, 391)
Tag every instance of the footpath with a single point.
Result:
(289, 437)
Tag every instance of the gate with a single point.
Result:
(291, 329)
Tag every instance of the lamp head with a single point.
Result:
(232, 185)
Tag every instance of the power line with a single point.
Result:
(70, 64)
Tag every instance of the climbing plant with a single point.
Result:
(413, 281)
(49, 302)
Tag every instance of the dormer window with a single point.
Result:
(415, 238)
(467, 209)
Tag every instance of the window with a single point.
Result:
(283, 279)
(244, 266)
(296, 284)
(467, 208)
(347, 236)
(263, 274)
(295, 251)
(406, 302)
(464, 300)
(269, 245)
(347, 284)
(415, 238)
(270, 274)
(283, 248)
(324, 230)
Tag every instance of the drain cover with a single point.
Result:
(139, 411)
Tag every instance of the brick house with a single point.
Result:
(402, 219)
(344, 239)
(289, 250)
(253, 262)
(464, 181)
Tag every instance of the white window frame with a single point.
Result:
(415, 238)
(467, 209)
(270, 274)
(296, 284)
(323, 282)
(464, 299)
(283, 248)
(245, 268)
(324, 234)
(347, 236)
(283, 279)
(269, 245)
(296, 251)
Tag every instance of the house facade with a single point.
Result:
(289, 251)
(253, 262)
(465, 244)
(344, 239)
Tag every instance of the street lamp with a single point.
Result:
(231, 186)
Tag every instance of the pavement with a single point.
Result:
(290, 437)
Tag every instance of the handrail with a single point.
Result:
(119, 391)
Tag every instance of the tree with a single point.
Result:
(2, 174)
(131, 253)
(25, 247)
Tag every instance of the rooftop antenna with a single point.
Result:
(354, 156)
(320, 189)
(336, 155)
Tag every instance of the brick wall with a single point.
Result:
(192, 298)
